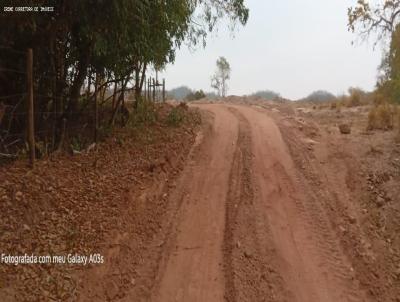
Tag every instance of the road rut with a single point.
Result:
(249, 228)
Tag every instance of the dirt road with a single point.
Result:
(255, 201)
(250, 227)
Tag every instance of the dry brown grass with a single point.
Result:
(382, 117)
(338, 104)
(398, 124)
(354, 98)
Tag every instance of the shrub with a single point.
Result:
(144, 113)
(345, 128)
(398, 124)
(342, 101)
(380, 98)
(176, 116)
(194, 96)
(355, 97)
(381, 117)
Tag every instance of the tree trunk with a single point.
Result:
(61, 75)
(120, 100)
(77, 84)
(114, 94)
(137, 81)
(143, 77)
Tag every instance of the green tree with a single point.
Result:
(197, 95)
(180, 93)
(388, 86)
(381, 19)
(319, 96)
(221, 76)
(114, 42)
(267, 94)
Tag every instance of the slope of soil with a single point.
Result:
(87, 204)
(362, 178)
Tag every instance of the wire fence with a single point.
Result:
(30, 118)
(47, 121)
(10, 104)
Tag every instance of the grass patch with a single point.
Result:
(145, 113)
(177, 116)
(382, 117)
(398, 125)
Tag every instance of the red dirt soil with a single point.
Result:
(266, 205)
(279, 243)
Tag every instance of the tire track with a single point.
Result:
(309, 258)
(314, 209)
(249, 272)
(191, 268)
(250, 229)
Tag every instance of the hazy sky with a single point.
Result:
(290, 46)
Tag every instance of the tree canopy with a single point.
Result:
(221, 76)
(103, 42)
(383, 20)
(368, 17)
(267, 94)
(319, 96)
(388, 85)
(179, 93)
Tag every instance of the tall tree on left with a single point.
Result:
(117, 40)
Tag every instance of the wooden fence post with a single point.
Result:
(147, 84)
(150, 89)
(147, 91)
(31, 117)
(145, 88)
(96, 110)
(163, 90)
(154, 90)
(89, 79)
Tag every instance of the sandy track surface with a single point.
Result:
(250, 228)
(193, 271)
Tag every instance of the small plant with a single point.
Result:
(398, 125)
(381, 117)
(77, 144)
(194, 96)
(42, 149)
(345, 128)
(176, 116)
(144, 113)
(106, 130)
(354, 99)
(380, 98)
(342, 101)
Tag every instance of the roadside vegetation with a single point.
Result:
(368, 18)
(84, 62)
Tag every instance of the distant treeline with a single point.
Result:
(184, 93)
(319, 96)
(188, 94)
(267, 94)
